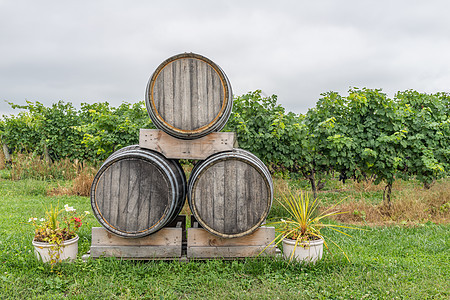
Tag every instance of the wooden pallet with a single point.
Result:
(203, 245)
(167, 243)
(172, 243)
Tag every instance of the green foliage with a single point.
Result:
(108, 129)
(326, 145)
(40, 127)
(264, 128)
(362, 135)
(20, 132)
(91, 133)
(426, 148)
(367, 135)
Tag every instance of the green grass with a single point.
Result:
(386, 263)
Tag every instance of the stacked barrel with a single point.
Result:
(189, 96)
(138, 191)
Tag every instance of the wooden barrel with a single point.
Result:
(137, 191)
(230, 193)
(189, 96)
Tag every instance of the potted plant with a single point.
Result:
(55, 236)
(301, 233)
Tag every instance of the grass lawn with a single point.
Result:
(387, 262)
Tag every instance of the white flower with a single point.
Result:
(283, 220)
(86, 212)
(42, 219)
(32, 219)
(69, 208)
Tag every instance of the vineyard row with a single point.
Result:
(362, 135)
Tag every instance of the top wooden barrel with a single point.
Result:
(189, 96)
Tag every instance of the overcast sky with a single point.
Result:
(91, 51)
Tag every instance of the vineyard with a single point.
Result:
(363, 136)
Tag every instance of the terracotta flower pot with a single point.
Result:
(46, 252)
(304, 252)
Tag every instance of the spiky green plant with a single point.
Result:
(304, 223)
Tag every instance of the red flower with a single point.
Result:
(77, 222)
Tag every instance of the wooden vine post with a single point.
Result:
(139, 191)
(6, 155)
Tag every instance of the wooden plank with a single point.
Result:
(212, 92)
(156, 210)
(202, 244)
(229, 206)
(225, 252)
(254, 192)
(199, 237)
(166, 85)
(173, 148)
(185, 90)
(100, 190)
(132, 209)
(113, 206)
(216, 205)
(167, 242)
(124, 185)
(201, 109)
(146, 252)
(261, 193)
(164, 237)
(144, 196)
(175, 114)
(242, 191)
(193, 87)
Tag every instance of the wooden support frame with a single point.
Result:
(166, 243)
(170, 243)
(173, 148)
(203, 245)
